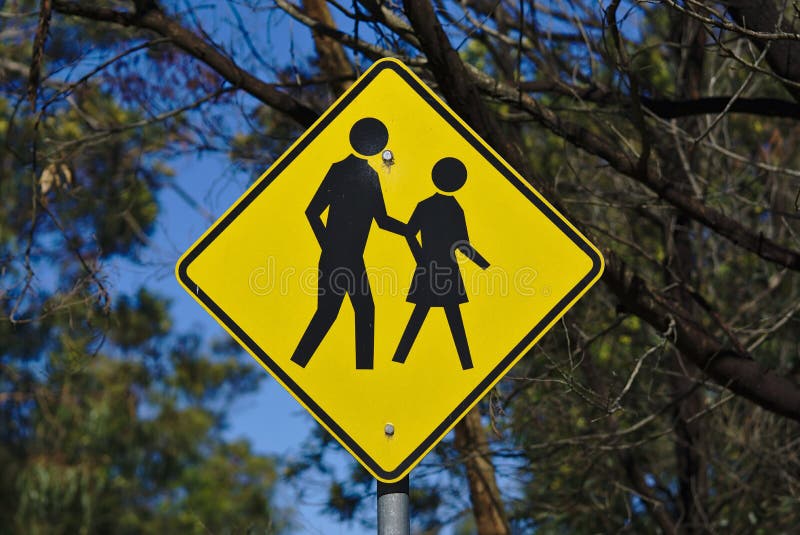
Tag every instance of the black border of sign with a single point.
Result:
(501, 368)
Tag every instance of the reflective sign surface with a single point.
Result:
(388, 269)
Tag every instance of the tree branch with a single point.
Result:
(373, 52)
(733, 370)
(765, 16)
(672, 109)
(155, 20)
(627, 164)
(767, 107)
(456, 84)
(37, 56)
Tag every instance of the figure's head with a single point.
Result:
(449, 174)
(369, 136)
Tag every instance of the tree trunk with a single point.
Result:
(487, 505)
(332, 59)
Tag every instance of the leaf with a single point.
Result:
(48, 178)
(55, 176)
(66, 173)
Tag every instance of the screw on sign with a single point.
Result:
(451, 264)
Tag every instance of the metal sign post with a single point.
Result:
(393, 517)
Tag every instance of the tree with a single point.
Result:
(668, 400)
(110, 420)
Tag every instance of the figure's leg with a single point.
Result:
(410, 334)
(328, 304)
(453, 313)
(364, 310)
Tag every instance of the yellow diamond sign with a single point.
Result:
(389, 269)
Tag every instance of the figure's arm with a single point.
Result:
(470, 252)
(466, 247)
(385, 221)
(318, 203)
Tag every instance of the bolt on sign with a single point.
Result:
(389, 269)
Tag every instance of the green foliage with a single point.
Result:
(132, 443)
(110, 421)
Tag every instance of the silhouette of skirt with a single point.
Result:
(436, 285)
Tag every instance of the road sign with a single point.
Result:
(389, 269)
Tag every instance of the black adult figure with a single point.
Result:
(437, 279)
(351, 191)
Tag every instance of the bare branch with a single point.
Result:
(155, 20)
(45, 10)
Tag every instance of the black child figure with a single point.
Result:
(437, 279)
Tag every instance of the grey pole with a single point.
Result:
(393, 516)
